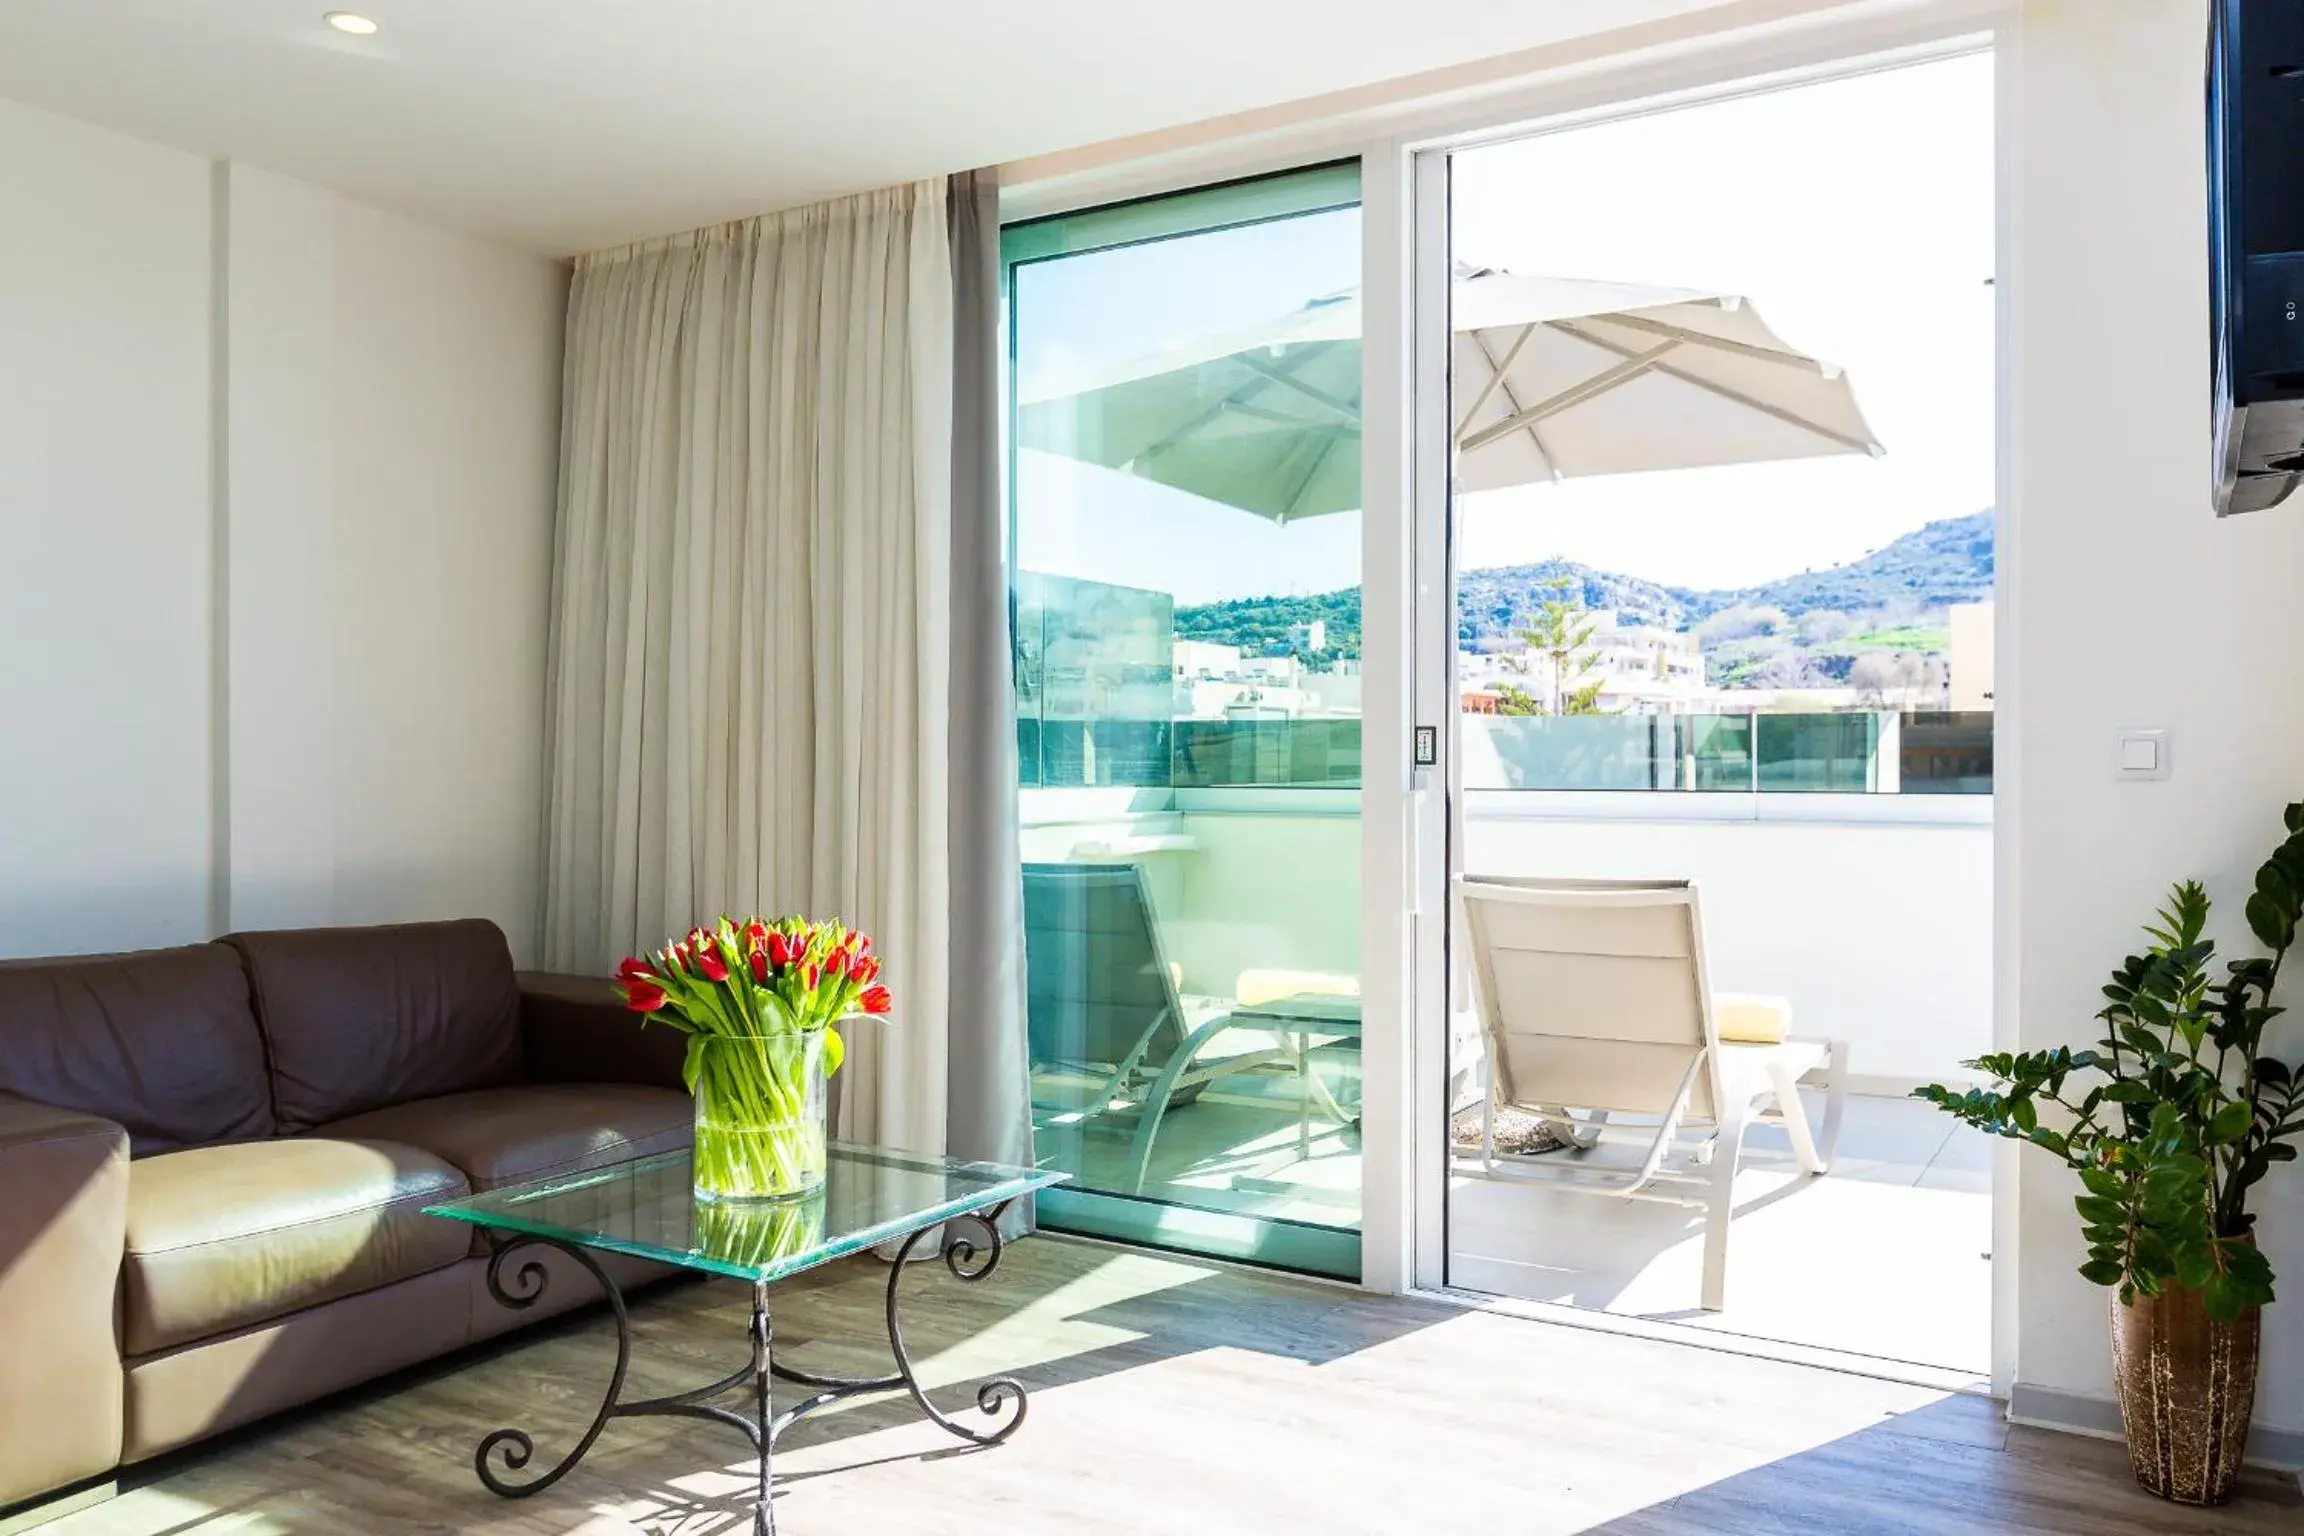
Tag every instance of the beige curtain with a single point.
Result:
(746, 702)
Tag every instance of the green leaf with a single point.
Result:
(2100, 1211)
(835, 1051)
(692, 1065)
(2226, 1298)
(2273, 928)
(2101, 1272)
(2230, 1123)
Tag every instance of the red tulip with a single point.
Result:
(643, 997)
(865, 971)
(759, 962)
(633, 970)
(756, 931)
(875, 1000)
(708, 961)
(809, 976)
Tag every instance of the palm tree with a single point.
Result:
(1562, 635)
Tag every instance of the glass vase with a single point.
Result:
(760, 1115)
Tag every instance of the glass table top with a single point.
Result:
(648, 1209)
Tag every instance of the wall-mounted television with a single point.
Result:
(2256, 249)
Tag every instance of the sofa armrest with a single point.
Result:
(63, 1230)
(575, 1029)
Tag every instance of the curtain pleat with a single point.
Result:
(747, 687)
(989, 1075)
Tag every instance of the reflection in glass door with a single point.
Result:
(1184, 434)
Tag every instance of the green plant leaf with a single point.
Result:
(2274, 928)
(2230, 1123)
(2226, 1298)
(2101, 1272)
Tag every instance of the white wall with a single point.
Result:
(104, 539)
(315, 446)
(1878, 933)
(2111, 529)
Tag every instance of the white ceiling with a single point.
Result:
(565, 125)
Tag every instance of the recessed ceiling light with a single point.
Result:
(352, 22)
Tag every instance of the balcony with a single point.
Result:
(1844, 862)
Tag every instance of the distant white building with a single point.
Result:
(1640, 668)
(1201, 660)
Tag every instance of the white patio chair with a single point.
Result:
(1595, 1003)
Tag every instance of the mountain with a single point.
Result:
(1933, 566)
(1903, 587)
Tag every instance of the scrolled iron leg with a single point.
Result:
(961, 1256)
(525, 1290)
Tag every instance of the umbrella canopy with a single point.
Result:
(1551, 378)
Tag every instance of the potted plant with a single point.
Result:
(758, 1000)
(2170, 1121)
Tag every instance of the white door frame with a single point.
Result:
(1404, 185)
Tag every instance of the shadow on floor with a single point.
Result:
(2040, 1484)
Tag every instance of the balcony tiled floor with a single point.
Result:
(1887, 1255)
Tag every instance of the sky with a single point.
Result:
(1857, 216)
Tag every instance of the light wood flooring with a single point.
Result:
(1170, 1397)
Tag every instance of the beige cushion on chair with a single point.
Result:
(1258, 985)
(1749, 1018)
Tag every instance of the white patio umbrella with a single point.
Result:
(1551, 378)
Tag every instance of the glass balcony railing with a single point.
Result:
(1857, 752)
(1861, 752)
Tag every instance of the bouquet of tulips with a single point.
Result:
(757, 999)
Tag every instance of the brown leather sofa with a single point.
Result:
(214, 1162)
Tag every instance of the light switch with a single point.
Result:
(2142, 755)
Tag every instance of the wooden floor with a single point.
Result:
(1171, 1396)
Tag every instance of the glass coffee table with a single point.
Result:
(647, 1210)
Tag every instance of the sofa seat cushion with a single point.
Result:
(224, 1237)
(501, 1136)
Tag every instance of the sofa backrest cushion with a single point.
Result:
(162, 1041)
(358, 1018)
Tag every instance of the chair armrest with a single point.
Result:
(63, 1231)
(575, 1029)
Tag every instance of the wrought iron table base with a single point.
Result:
(965, 1258)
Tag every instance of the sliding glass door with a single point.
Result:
(1184, 434)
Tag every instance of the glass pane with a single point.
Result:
(649, 1209)
(1186, 564)
(1818, 752)
(1718, 750)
